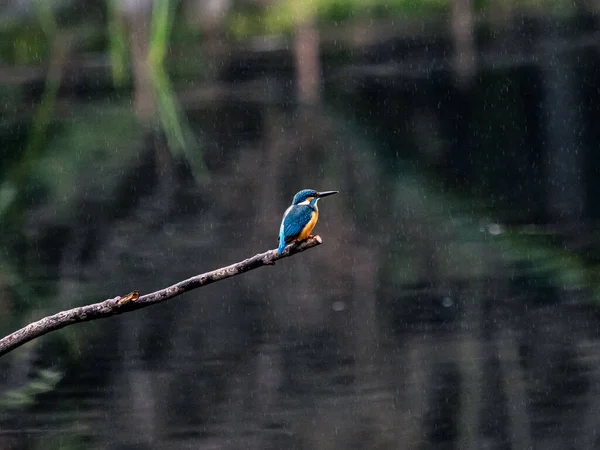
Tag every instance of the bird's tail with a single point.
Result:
(281, 245)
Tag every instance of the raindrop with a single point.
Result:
(338, 306)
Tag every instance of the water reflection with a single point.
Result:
(418, 324)
(408, 328)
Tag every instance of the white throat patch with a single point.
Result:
(306, 202)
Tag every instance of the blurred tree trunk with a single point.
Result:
(137, 21)
(136, 419)
(308, 69)
(417, 389)
(365, 267)
(207, 14)
(500, 14)
(464, 43)
(564, 159)
(470, 360)
(515, 388)
(136, 14)
(590, 349)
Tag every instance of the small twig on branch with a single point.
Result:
(133, 300)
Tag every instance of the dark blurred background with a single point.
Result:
(454, 303)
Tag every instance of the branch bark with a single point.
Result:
(133, 301)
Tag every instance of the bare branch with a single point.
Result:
(132, 301)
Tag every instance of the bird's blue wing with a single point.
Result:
(294, 222)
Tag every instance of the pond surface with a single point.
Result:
(423, 322)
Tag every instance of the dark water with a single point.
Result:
(420, 323)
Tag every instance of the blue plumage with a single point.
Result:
(301, 196)
(300, 218)
(294, 220)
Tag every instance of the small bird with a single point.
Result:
(301, 217)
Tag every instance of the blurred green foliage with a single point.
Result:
(117, 44)
(173, 121)
(546, 257)
(25, 395)
(280, 17)
(163, 14)
(91, 152)
(23, 44)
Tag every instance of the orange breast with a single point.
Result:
(309, 226)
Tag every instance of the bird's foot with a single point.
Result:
(295, 244)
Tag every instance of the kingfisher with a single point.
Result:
(301, 217)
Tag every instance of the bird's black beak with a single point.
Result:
(326, 193)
